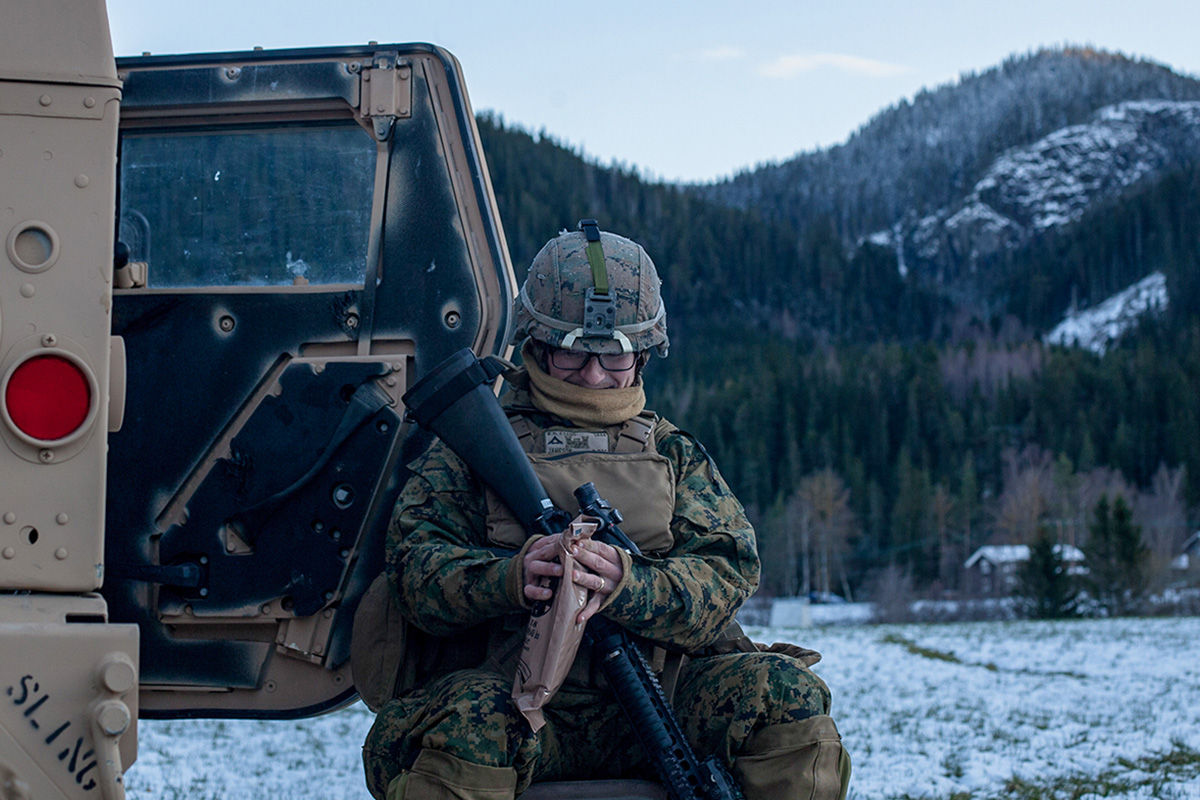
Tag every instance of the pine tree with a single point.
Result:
(1044, 587)
(1116, 557)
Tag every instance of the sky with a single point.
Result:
(691, 91)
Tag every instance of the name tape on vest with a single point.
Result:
(576, 442)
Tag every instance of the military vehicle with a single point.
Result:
(220, 273)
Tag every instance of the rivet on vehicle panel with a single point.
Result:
(27, 290)
(270, 686)
(49, 340)
(318, 649)
(62, 518)
(9, 518)
(226, 323)
(403, 73)
(45, 100)
(204, 592)
(452, 319)
(61, 554)
(339, 679)
(89, 102)
(343, 495)
(82, 181)
(118, 675)
(113, 717)
(352, 320)
(46, 456)
(10, 553)
(266, 609)
(327, 613)
(188, 610)
(233, 73)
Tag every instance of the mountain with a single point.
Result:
(956, 183)
(919, 156)
(898, 309)
(1049, 184)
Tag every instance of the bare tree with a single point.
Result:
(1161, 512)
(1028, 498)
(827, 524)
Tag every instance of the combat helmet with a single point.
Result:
(592, 291)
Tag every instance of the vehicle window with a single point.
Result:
(248, 208)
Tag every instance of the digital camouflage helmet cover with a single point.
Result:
(592, 291)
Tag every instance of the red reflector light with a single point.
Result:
(48, 397)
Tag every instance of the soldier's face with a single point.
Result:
(593, 376)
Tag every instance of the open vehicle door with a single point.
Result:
(299, 234)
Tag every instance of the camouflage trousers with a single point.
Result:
(719, 700)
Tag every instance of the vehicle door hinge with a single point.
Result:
(386, 93)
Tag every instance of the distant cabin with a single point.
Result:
(1188, 559)
(992, 569)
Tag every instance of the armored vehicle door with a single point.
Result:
(300, 234)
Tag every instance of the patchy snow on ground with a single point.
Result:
(925, 710)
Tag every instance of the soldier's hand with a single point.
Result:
(599, 568)
(540, 565)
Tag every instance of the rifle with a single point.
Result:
(455, 402)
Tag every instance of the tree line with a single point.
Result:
(864, 419)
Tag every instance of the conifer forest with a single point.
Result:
(882, 412)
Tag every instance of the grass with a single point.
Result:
(942, 655)
(1160, 773)
(928, 652)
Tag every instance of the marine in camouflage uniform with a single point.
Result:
(458, 734)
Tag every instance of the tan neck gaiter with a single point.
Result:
(579, 404)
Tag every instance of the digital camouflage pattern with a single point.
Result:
(721, 701)
(447, 583)
(551, 302)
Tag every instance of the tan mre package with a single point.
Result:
(553, 636)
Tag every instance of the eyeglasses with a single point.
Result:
(575, 360)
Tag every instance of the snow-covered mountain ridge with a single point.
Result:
(1053, 182)
(1096, 328)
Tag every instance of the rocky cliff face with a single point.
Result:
(1051, 183)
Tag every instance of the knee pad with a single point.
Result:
(440, 776)
(803, 760)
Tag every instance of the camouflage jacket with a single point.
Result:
(445, 579)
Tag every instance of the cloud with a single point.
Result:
(791, 66)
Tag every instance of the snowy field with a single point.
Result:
(1080, 709)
